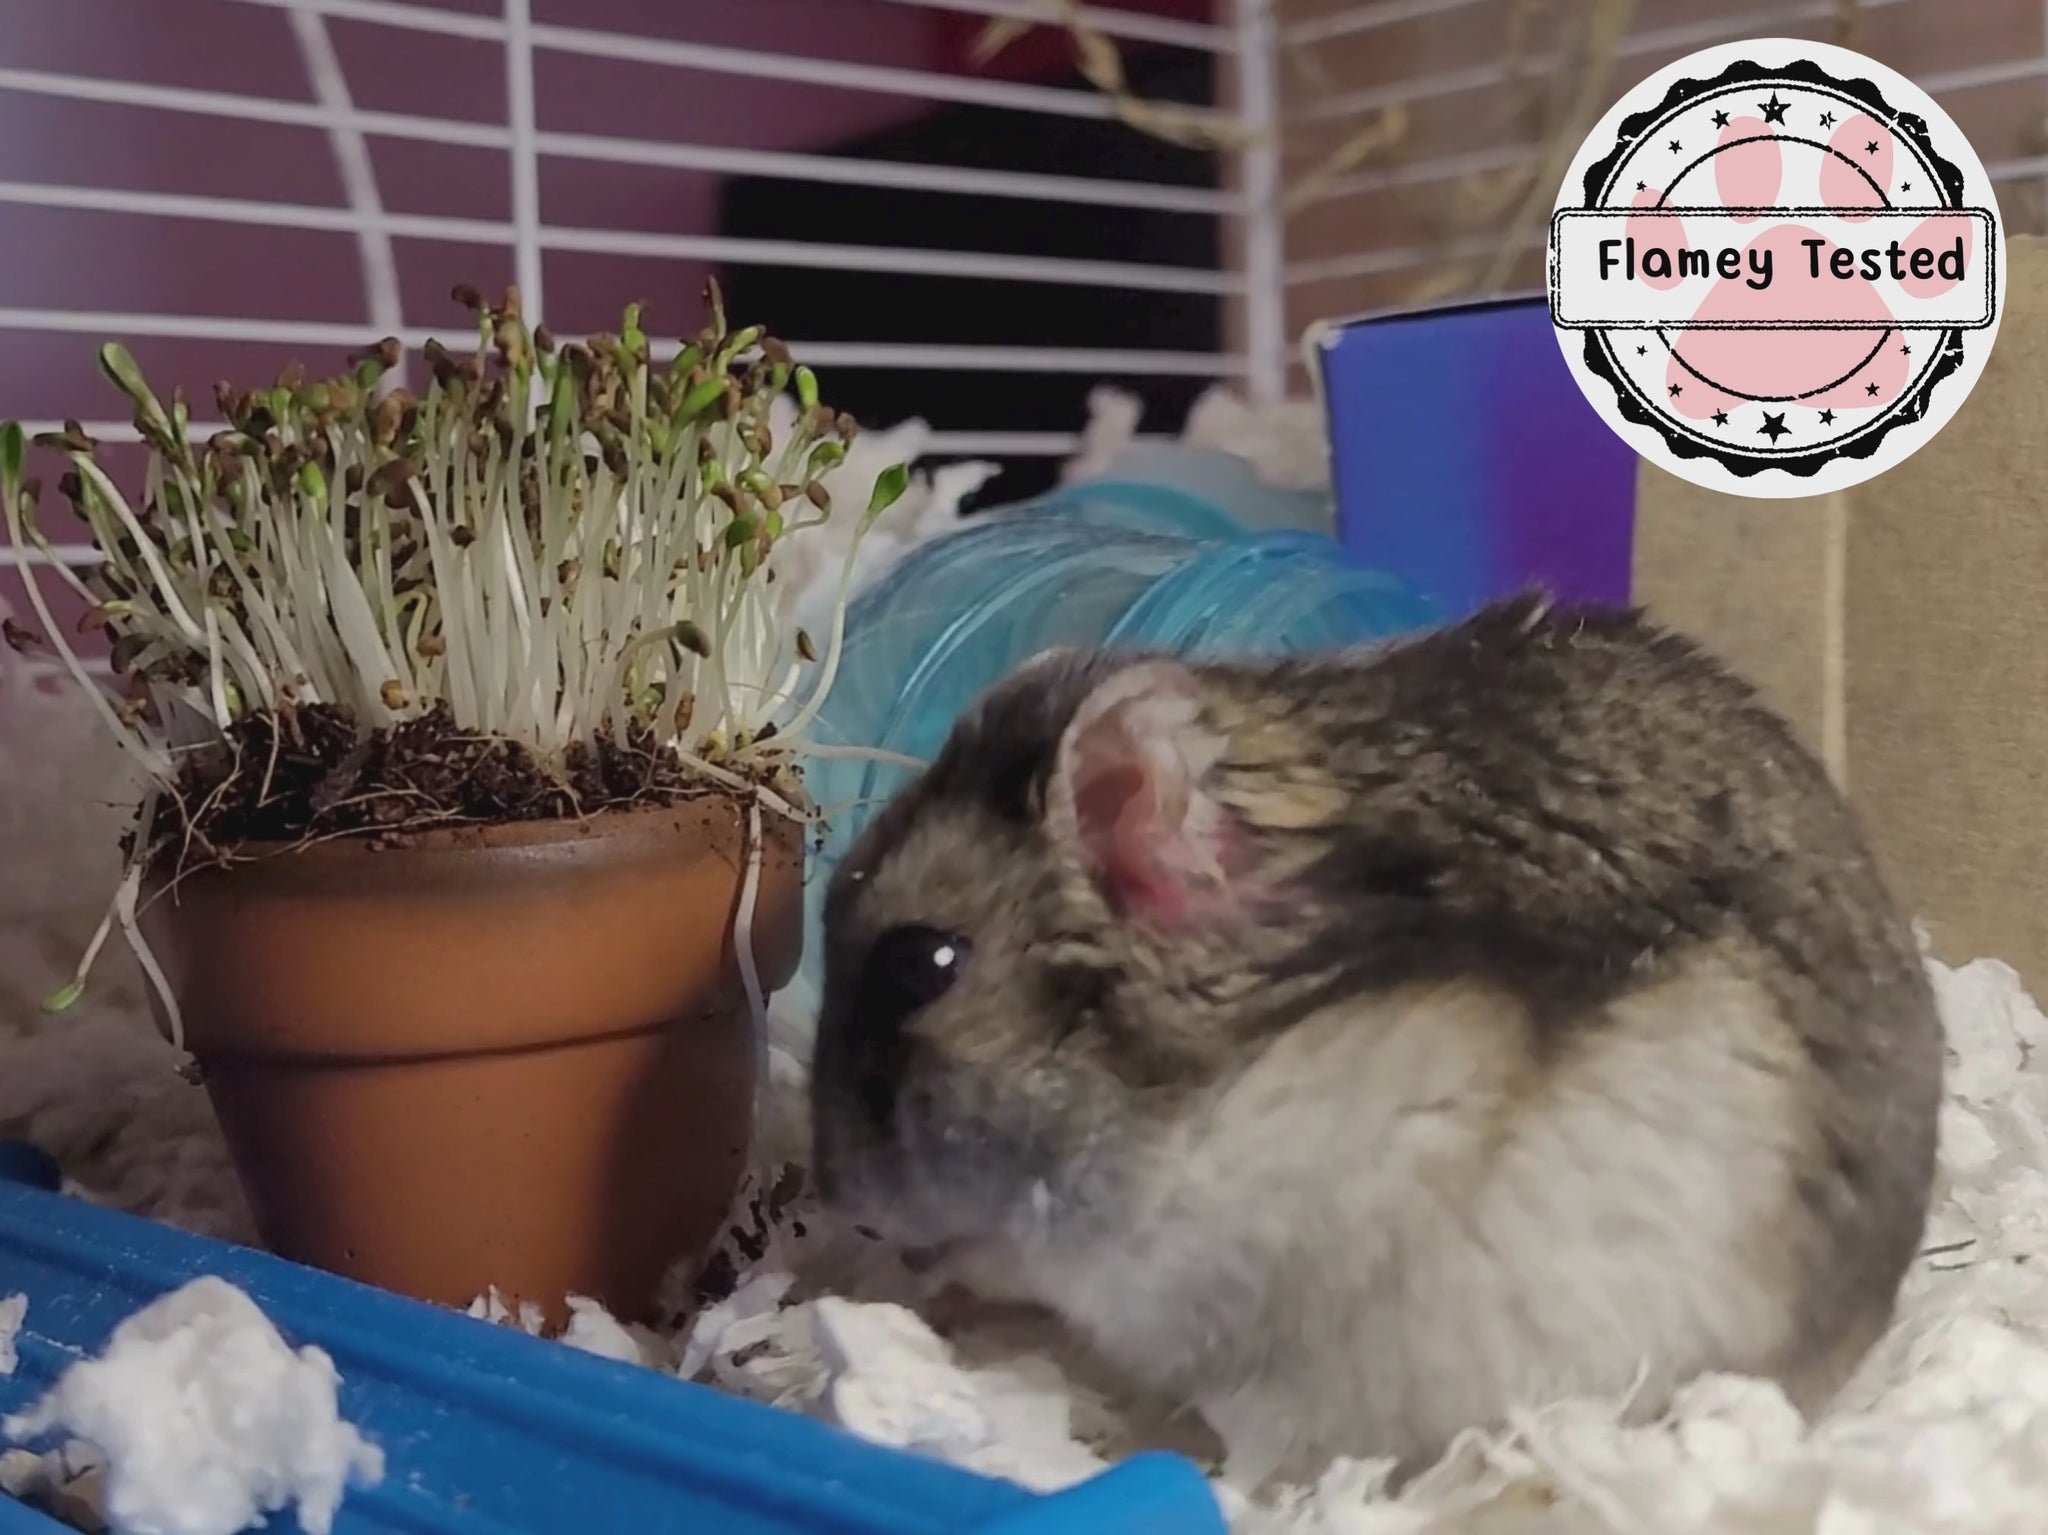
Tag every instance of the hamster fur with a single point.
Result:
(1362, 1046)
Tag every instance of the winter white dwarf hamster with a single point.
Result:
(1362, 1046)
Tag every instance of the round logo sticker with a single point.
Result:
(1776, 268)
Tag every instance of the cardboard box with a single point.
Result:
(1903, 626)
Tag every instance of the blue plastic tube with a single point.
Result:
(1099, 563)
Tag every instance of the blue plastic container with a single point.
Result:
(1099, 563)
(486, 1431)
(1469, 462)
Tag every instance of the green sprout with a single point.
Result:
(551, 563)
(555, 542)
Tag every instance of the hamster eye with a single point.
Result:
(907, 969)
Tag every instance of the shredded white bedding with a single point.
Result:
(1286, 442)
(13, 1312)
(205, 1421)
(1944, 1432)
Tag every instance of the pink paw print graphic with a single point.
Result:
(1711, 372)
(1774, 268)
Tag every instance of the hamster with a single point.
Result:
(1360, 1047)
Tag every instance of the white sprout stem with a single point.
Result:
(194, 518)
(94, 944)
(124, 907)
(300, 591)
(528, 589)
(105, 524)
(680, 681)
(616, 498)
(632, 650)
(773, 698)
(324, 661)
(357, 628)
(756, 640)
(145, 545)
(455, 633)
(260, 676)
(216, 674)
(285, 655)
(640, 541)
(740, 785)
(56, 562)
(511, 632)
(809, 747)
(829, 672)
(722, 646)
(144, 758)
(487, 588)
(371, 572)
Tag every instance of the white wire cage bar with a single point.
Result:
(527, 144)
(1673, 40)
(878, 354)
(529, 236)
(1246, 41)
(1051, 443)
(1241, 43)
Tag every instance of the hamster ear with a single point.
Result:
(1129, 798)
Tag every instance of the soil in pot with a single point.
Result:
(517, 1055)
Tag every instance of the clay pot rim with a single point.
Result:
(660, 820)
(688, 859)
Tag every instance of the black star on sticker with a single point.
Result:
(1720, 418)
(1774, 426)
(1677, 390)
(1870, 148)
(1827, 119)
(1870, 389)
(1720, 119)
(1905, 351)
(1905, 186)
(1826, 417)
(1774, 109)
(1674, 146)
(1642, 351)
(1642, 186)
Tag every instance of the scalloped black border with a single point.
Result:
(1599, 176)
(1746, 71)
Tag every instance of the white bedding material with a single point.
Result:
(1944, 1432)
(13, 1312)
(206, 1420)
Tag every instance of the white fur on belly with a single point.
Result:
(1397, 1227)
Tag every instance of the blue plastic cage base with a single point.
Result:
(487, 1431)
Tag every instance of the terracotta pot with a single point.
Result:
(517, 1055)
